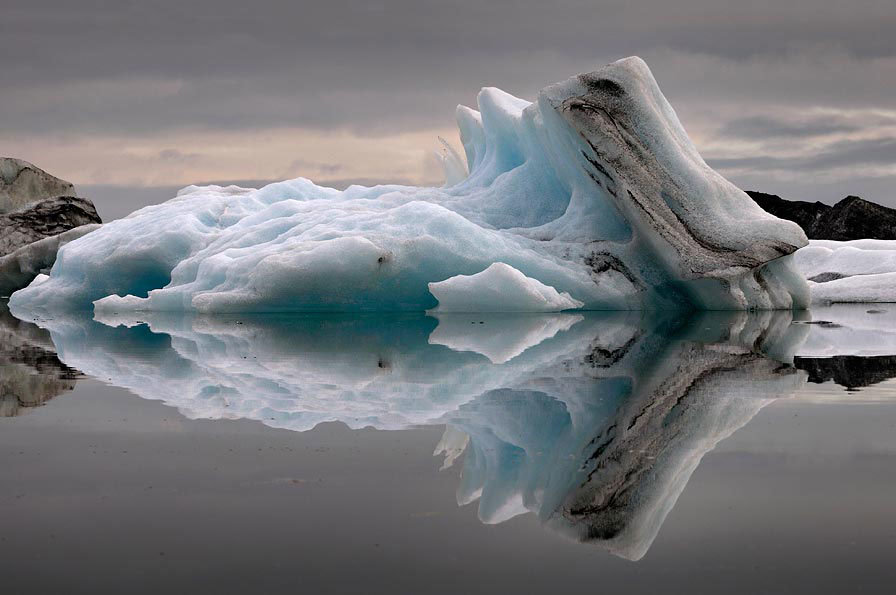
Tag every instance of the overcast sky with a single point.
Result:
(131, 99)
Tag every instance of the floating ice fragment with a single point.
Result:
(854, 271)
(499, 288)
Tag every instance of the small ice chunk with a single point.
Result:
(499, 288)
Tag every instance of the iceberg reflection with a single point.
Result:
(594, 422)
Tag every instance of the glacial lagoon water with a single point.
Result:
(705, 453)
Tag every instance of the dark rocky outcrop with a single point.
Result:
(39, 213)
(852, 218)
(804, 214)
(46, 218)
(23, 184)
(19, 268)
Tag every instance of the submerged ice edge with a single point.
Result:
(594, 195)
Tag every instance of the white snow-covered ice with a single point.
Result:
(593, 191)
(861, 271)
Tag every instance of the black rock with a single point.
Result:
(47, 218)
(30, 372)
(850, 371)
(852, 218)
(804, 214)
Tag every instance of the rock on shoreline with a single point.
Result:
(852, 218)
(44, 219)
(23, 184)
(39, 213)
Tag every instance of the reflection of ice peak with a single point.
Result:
(638, 465)
(605, 459)
(498, 337)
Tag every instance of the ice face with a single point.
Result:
(594, 191)
(688, 223)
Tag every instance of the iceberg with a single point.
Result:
(849, 330)
(856, 271)
(594, 190)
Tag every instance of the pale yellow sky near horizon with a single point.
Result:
(188, 157)
(338, 156)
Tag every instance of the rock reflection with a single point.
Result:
(30, 372)
(849, 371)
(850, 345)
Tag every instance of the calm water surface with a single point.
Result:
(714, 453)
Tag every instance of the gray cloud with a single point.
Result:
(840, 154)
(139, 67)
(765, 127)
(176, 156)
(742, 70)
(304, 167)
